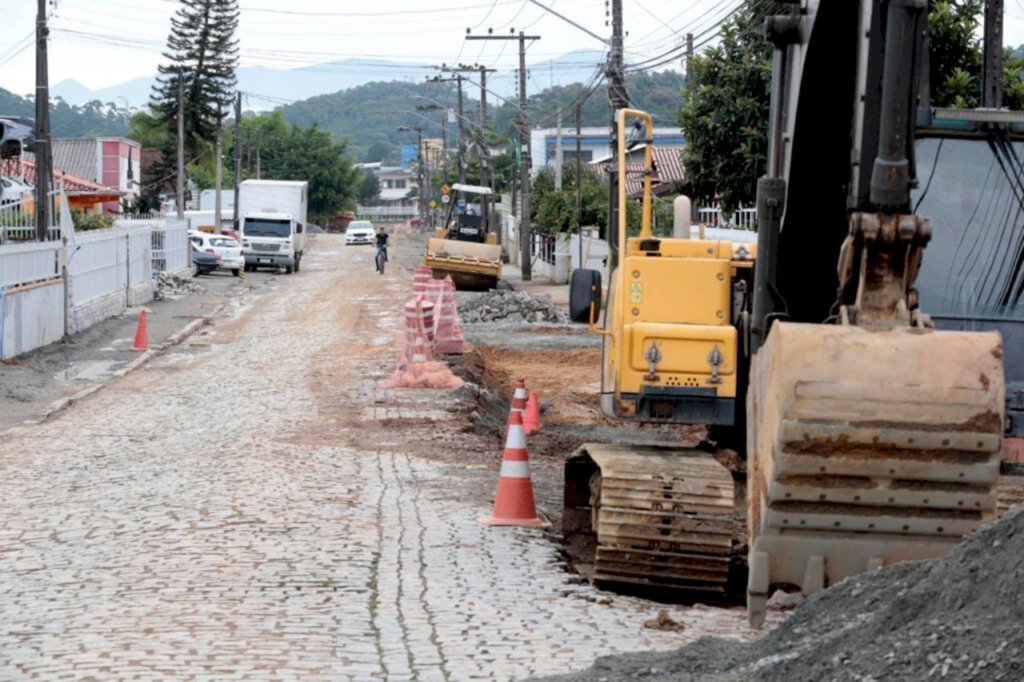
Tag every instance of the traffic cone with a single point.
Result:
(518, 401)
(513, 504)
(531, 420)
(141, 335)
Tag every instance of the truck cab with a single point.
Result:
(271, 240)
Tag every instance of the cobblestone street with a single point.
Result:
(250, 506)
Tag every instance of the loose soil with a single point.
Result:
(955, 618)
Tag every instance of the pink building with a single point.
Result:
(113, 162)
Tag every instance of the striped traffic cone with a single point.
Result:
(518, 401)
(514, 504)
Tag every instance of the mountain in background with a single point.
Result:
(309, 81)
(373, 113)
(92, 119)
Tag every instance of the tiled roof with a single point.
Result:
(72, 183)
(77, 157)
(668, 165)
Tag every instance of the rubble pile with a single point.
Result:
(510, 306)
(955, 618)
(173, 286)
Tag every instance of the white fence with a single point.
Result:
(49, 289)
(741, 219)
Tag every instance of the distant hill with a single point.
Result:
(92, 119)
(320, 79)
(373, 112)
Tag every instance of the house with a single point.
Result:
(396, 183)
(668, 170)
(594, 144)
(114, 162)
(83, 194)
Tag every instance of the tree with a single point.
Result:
(202, 55)
(725, 116)
(731, 93)
(379, 151)
(369, 189)
(310, 154)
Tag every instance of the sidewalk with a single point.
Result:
(36, 384)
(538, 286)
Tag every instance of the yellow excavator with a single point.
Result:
(848, 430)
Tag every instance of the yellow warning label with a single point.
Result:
(636, 293)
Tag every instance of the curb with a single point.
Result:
(58, 406)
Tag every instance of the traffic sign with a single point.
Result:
(433, 204)
(445, 198)
(445, 189)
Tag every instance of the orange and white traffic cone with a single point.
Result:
(514, 504)
(141, 333)
(531, 419)
(518, 401)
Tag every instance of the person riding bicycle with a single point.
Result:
(382, 246)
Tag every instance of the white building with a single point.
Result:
(593, 144)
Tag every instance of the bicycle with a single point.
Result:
(381, 259)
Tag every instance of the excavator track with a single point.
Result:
(660, 518)
(867, 448)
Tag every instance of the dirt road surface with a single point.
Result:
(250, 505)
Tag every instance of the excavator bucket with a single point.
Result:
(867, 448)
(473, 266)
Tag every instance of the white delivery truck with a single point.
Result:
(273, 217)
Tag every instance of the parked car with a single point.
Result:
(13, 190)
(359, 232)
(17, 134)
(203, 262)
(229, 252)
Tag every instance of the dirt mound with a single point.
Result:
(956, 618)
(515, 306)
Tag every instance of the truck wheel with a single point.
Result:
(235, 272)
(289, 269)
(298, 262)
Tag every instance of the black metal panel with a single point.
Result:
(682, 406)
(818, 175)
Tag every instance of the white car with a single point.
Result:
(359, 232)
(13, 190)
(227, 250)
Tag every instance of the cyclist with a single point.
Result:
(382, 248)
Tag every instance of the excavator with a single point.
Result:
(848, 428)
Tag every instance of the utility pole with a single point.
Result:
(44, 157)
(992, 71)
(461, 165)
(481, 135)
(238, 155)
(689, 63)
(525, 234)
(259, 173)
(558, 153)
(619, 99)
(217, 171)
(579, 178)
(181, 146)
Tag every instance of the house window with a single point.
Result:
(387, 184)
(586, 155)
(399, 184)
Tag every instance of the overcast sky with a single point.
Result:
(105, 42)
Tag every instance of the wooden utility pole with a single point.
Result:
(44, 157)
(217, 172)
(238, 155)
(422, 189)
(181, 146)
(992, 69)
(619, 99)
(525, 234)
(579, 178)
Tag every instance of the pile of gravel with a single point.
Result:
(174, 286)
(510, 306)
(956, 618)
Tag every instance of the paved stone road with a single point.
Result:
(252, 507)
